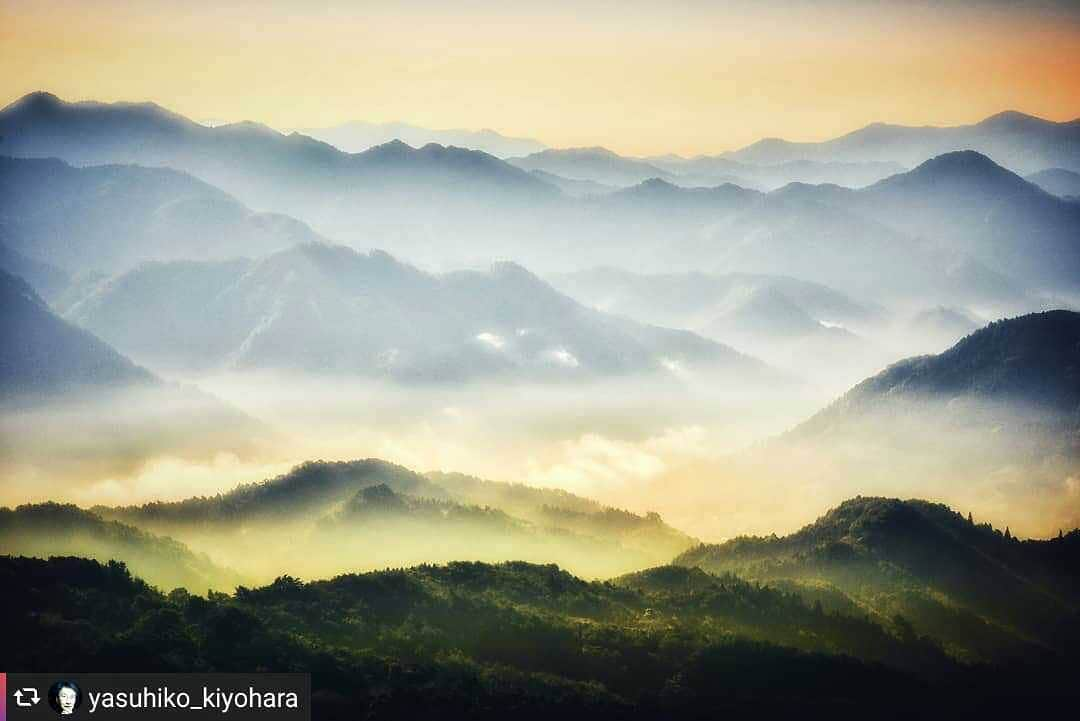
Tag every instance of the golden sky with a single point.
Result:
(637, 76)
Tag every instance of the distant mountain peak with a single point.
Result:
(37, 99)
(1013, 119)
(249, 126)
(585, 150)
(508, 269)
(1021, 142)
(968, 166)
(1032, 359)
(657, 184)
(771, 142)
(392, 149)
(959, 160)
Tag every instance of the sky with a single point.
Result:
(640, 77)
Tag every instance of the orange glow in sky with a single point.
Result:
(639, 77)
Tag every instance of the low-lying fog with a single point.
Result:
(600, 437)
(690, 449)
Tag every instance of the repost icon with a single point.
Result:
(26, 697)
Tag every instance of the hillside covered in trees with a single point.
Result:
(472, 640)
(984, 593)
(54, 529)
(310, 516)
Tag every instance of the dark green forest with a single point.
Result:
(982, 593)
(882, 608)
(474, 640)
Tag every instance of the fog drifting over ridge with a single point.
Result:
(702, 465)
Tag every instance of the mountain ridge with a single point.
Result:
(416, 326)
(1024, 143)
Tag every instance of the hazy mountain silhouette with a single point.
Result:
(599, 165)
(943, 325)
(1023, 143)
(317, 488)
(436, 530)
(324, 308)
(998, 411)
(332, 516)
(660, 197)
(265, 169)
(803, 327)
(695, 297)
(804, 232)
(718, 169)
(43, 356)
(115, 414)
(111, 217)
(52, 529)
(955, 230)
(46, 279)
(957, 211)
(770, 313)
(990, 424)
(310, 488)
(358, 136)
(1058, 181)
(575, 188)
(1033, 359)
(554, 508)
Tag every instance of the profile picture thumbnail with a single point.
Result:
(65, 697)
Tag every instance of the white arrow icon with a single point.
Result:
(31, 692)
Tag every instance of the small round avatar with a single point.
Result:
(65, 697)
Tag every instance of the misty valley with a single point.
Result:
(465, 425)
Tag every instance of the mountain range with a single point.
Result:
(877, 597)
(110, 217)
(718, 169)
(1023, 143)
(324, 308)
(55, 375)
(957, 230)
(982, 592)
(400, 198)
(1031, 361)
(969, 220)
(805, 328)
(957, 221)
(265, 169)
(335, 517)
(1058, 181)
(607, 169)
(46, 357)
(694, 299)
(52, 529)
(358, 136)
(598, 165)
(990, 424)
(994, 419)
